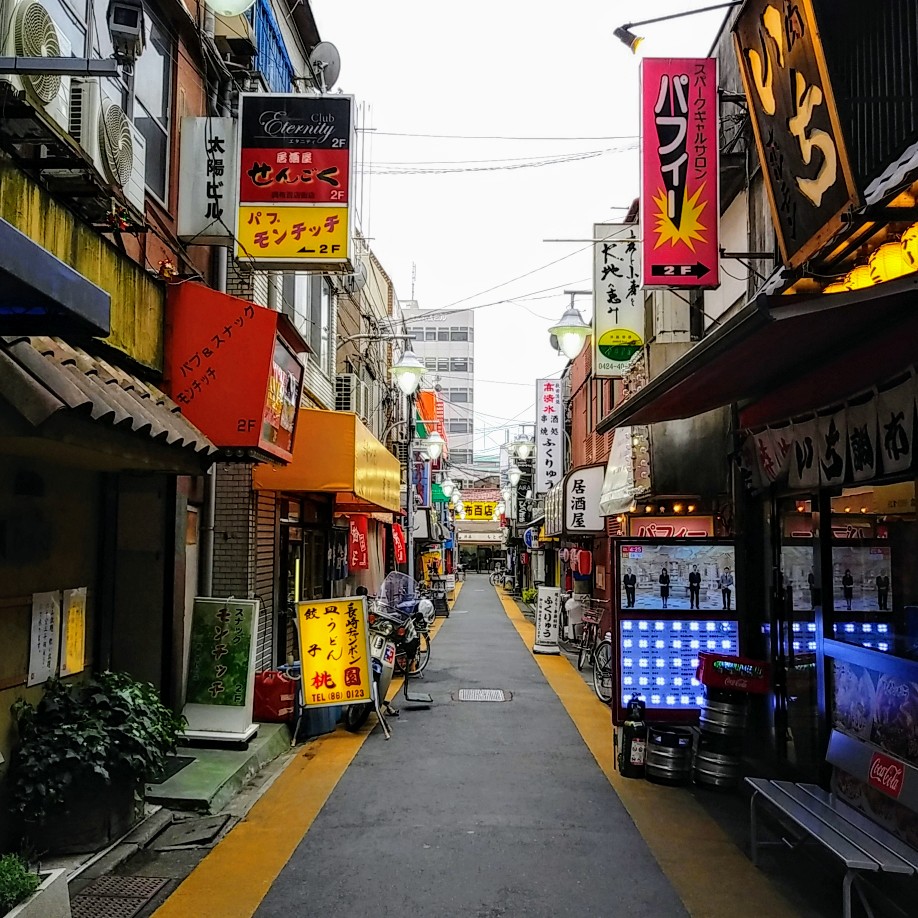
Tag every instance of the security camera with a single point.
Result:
(127, 28)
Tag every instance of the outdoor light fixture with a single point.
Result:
(433, 446)
(571, 332)
(524, 447)
(627, 37)
(859, 278)
(407, 372)
(447, 486)
(505, 493)
(514, 475)
(230, 7)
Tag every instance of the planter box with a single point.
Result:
(50, 900)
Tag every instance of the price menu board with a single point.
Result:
(658, 658)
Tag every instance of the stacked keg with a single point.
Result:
(727, 683)
(668, 755)
(720, 745)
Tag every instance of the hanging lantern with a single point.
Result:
(585, 562)
(564, 554)
(575, 553)
(837, 287)
(909, 243)
(889, 262)
(859, 278)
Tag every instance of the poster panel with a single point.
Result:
(548, 616)
(618, 303)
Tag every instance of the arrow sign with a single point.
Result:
(695, 270)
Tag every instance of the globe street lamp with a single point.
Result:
(514, 475)
(447, 486)
(407, 372)
(523, 447)
(433, 445)
(570, 330)
(505, 493)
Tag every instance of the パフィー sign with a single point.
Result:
(679, 172)
(797, 130)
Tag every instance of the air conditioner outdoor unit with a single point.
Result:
(29, 31)
(351, 394)
(114, 144)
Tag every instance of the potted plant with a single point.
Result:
(26, 893)
(85, 751)
(529, 596)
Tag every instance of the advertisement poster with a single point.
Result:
(618, 302)
(878, 709)
(358, 555)
(73, 632)
(335, 650)
(679, 173)
(679, 576)
(46, 615)
(294, 184)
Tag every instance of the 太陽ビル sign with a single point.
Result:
(679, 172)
(294, 180)
(334, 651)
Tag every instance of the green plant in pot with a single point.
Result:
(529, 596)
(17, 882)
(85, 751)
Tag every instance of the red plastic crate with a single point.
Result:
(733, 674)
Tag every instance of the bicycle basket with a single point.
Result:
(591, 617)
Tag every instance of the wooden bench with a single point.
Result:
(861, 845)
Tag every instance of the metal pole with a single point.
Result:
(409, 489)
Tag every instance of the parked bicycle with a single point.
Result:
(602, 669)
(589, 634)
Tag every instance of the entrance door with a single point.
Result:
(795, 602)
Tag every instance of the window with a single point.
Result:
(153, 101)
(463, 426)
(413, 334)
(430, 334)
(459, 395)
(430, 363)
(442, 334)
(443, 364)
(457, 334)
(460, 455)
(459, 364)
(307, 302)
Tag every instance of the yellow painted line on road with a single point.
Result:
(711, 875)
(237, 874)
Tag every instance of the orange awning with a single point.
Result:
(335, 453)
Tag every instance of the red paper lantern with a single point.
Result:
(585, 562)
(524, 557)
(575, 552)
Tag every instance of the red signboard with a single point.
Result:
(679, 172)
(233, 369)
(398, 544)
(886, 775)
(358, 556)
(732, 674)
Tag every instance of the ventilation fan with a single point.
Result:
(33, 33)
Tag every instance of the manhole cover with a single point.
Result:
(483, 694)
(116, 897)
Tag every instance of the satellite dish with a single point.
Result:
(326, 64)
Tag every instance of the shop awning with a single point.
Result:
(39, 292)
(95, 413)
(335, 454)
(773, 340)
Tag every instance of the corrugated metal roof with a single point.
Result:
(41, 376)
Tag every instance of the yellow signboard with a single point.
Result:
(73, 639)
(479, 509)
(334, 651)
(288, 234)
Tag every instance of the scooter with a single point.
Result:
(382, 652)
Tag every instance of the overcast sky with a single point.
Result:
(469, 213)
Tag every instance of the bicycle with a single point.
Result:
(602, 670)
(589, 636)
(496, 577)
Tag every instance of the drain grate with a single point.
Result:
(116, 897)
(483, 694)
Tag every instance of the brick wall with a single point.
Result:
(234, 532)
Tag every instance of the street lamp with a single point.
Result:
(570, 330)
(407, 372)
(505, 493)
(523, 447)
(627, 37)
(513, 475)
(433, 446)
(447, 486)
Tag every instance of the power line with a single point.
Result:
(497, 136)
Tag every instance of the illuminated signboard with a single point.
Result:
(335, 651)
(294, 180)
(680, 194)
(659, 658)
